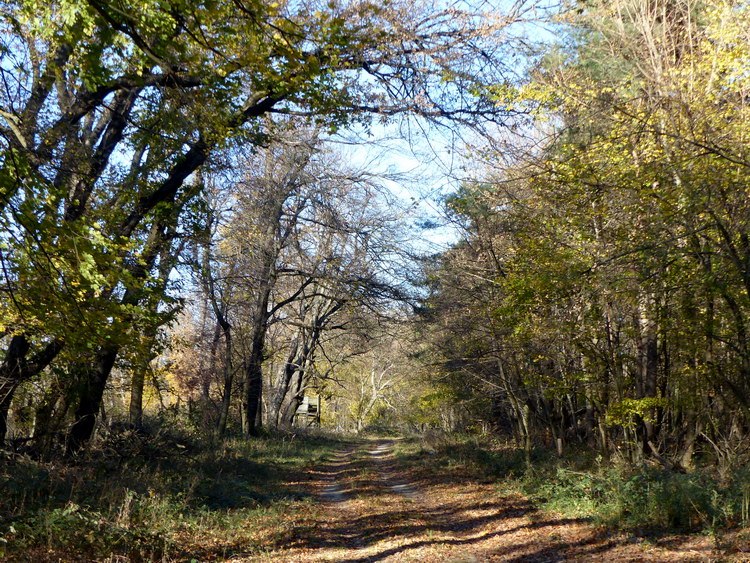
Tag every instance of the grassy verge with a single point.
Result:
(144, 499)
(615, 495)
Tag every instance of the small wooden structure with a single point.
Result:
(308, 412)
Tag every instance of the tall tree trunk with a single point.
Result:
(693, 429)
(291, 365)
(527, 445)
(252, 392)
(648, 356)
(11, 376)
(7, 390)
(309, 340)
(253, 384)
(135, 410)
(91, 392)
(296, 400)
(46, 419)
(226, 395)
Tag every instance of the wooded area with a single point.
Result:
(158, 155)
(601, 293)
(186, 242)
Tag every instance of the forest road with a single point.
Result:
(375, 507)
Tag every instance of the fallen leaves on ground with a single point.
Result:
(451, 517)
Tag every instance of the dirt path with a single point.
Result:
(375, 510)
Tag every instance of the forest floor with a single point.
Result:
(291, 498)
(374, 508)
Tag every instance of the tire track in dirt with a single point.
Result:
(383, 459)
(334, 471)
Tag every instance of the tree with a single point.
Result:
(111, 108)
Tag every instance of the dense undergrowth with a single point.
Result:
(617, 495)
(159, 497)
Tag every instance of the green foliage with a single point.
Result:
(650, 498)
(76, 529)
(624, 413)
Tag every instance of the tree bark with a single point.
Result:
(10, 377)
(648, 353)
(292, 364)
(91, 392)
(135, 411)
(226, 395)
(253, 384)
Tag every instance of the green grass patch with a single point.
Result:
(642, 497)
